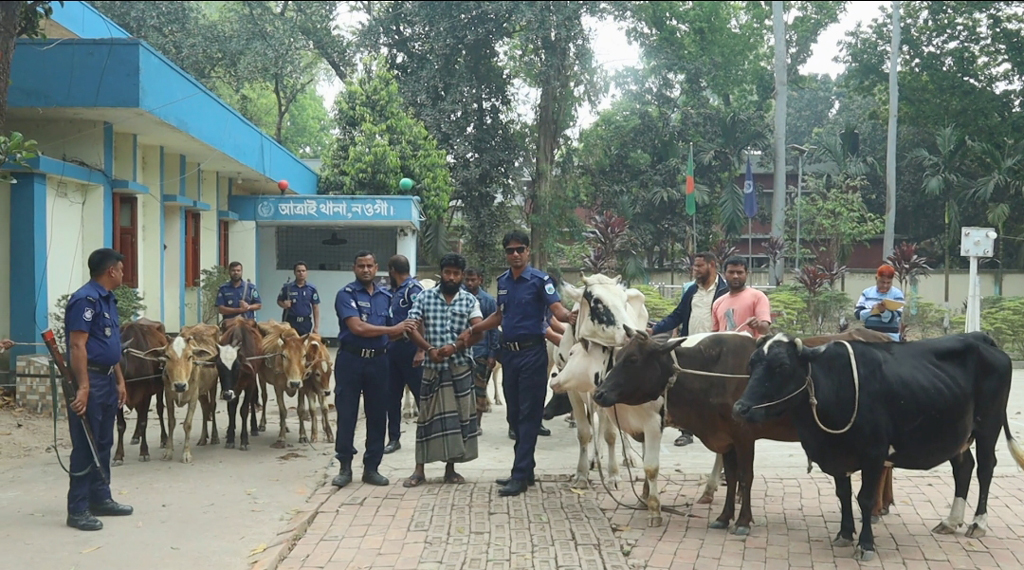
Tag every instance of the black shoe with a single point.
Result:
(374, 478)
(344, 476)
(109, 508)
(392, 446)
(84, 521)
(543, 431)
(511, 434)
(505, 481)
(513, 488)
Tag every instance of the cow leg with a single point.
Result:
(141, 424)
(731, 479)
(584, 435)
(745, 462)
(328, 431)
(139, 428)
(212, 398)
(282, 408)
(652, 449)
(870, 476)
(263, 411)
(229, 438)
(713, 482)
(121, 426)
(986, 465)
(204, 409)
(186, 454)
(160, 415)
(496, 380)
(963, 468)
(300, 410)
(254, 429)
(249, 413)
(609, 433)
(844, 491)
(169, 448)
(313, 404)
(884, 499)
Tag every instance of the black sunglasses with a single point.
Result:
(520, 249)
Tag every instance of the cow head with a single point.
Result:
(180, 360)
(289, 360)
(584, 369)
(779, 367)
(605, 307)
(641, 371)
(318, 363)
(237, 344)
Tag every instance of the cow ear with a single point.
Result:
(573, 292)
(280, 342)
(631, 332)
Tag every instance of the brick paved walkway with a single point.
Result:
(469, 527)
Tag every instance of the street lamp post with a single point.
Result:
(799, 190)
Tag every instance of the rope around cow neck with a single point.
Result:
(809, 386)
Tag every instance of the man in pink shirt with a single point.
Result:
(744, 308)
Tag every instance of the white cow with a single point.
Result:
(604, 306)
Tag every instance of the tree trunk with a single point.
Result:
(945, 256)
(781, 88)
(9, 18)
(547, 140)
(890, 157)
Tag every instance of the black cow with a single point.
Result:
(913, 405)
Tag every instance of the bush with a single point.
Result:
(797, 312)
(129, 307)
(658, 307)
(924, 319)
(210, 281)
(789, 310)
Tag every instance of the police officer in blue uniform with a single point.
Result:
(523, 294)
(301, 302)
(362, 368)
(93, 332)
(236, 298)
(404, 289)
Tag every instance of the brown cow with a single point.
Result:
(206, 336)
(284, 367)
(142, 381)
(701, 377)
(238, 349)
(189, 370)
(315, 389)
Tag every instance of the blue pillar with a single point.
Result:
(29, 309)
(108, 192)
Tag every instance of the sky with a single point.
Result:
(613, 52)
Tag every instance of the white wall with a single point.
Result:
(242, 248)
(208, 237)
(67, 140)
(173, 279)
(151, 241)
(123, 156)
(74, 229)
(5, 260)
(407, 246)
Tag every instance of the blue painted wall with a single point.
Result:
(29, 308)
(128, 73)
(85, 21)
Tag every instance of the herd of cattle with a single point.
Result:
(855, 401)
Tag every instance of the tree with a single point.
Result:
(379, 143)
(890, 155)
(781, 91)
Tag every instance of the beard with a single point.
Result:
(450, 287)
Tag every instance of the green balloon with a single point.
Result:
(406, 184)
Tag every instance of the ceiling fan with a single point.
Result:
(334, 240)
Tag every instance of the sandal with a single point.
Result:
(454, 479)
(414, 481)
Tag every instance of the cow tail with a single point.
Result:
(1015, 449)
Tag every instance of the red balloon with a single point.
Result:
(282, 185)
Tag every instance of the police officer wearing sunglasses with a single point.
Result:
(524, 293)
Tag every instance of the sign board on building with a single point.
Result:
(328, 209)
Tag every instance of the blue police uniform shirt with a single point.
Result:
(93, 309)
(353, 300)
(303, 298)
(402, 298)
(230, 296)
(489, 346)
(523, 301)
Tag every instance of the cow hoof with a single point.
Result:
(117, 462)
(842, 542)
(975, 531)
(168, 455)
(135, 441)
(705, 499)
(613, 482)
(580, 483)
(875, 519)
(303, 439)
(186, 458)
(229, 445)
(944, 528)
(144, 458)
(884, 511)
(278, 445)
(263, 427)
(243, 447)
(863, 555)
(214, 440)
(741, 531)
(719, 525)
(654, 521)
(312, 439)
(201, 441)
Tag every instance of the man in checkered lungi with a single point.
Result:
(447, 426)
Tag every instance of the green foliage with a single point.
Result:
(837, 219)
(789, 310)
(658, 307)
(924, 319)
(797, 312)
(210, 281)
(17, 150)
(129, 308)
(379, 143)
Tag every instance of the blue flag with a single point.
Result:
(749, 196)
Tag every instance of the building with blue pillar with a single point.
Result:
(137, 155)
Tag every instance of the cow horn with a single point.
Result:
(799, 345)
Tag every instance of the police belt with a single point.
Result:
(364, 352)
(526, 342)
(104, 370)
(297, 319)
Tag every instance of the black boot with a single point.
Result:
(375, 478)
(110, 508)
(344, 476)
(505, 480)
(393, 446)
(84, 521)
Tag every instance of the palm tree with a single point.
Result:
(943, 178)
(890, 155)
(738, 133)
(1004, 166)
